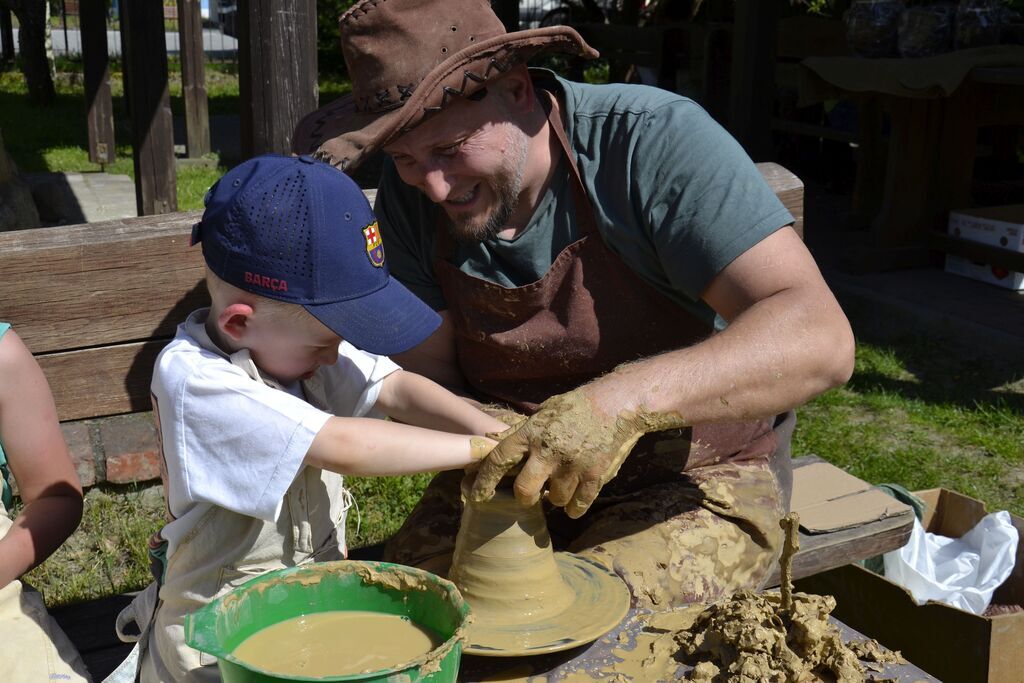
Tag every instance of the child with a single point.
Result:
(32, 648)
(266, 398)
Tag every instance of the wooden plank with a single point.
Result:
(277, 68)
(80, 286)
(110, 380)
(193, 78)
(150, 106)
(6, 35)
(96, 67)
(869, 184)
(907, 209)
(788, 188)
(752, 87)
(821, 552)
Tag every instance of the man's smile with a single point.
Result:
(465, 199)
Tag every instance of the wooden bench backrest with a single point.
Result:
(97, 302)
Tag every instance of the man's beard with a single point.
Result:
(506, 185)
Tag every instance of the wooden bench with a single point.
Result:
(97, 302)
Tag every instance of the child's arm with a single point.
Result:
(416, 400)
(38, 458)
(362, 446)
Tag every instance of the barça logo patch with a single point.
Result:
(374, 247)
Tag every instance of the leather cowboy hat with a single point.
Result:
(409, 59)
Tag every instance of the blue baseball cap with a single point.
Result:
(300, 231)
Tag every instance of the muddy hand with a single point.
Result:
(570, 443)
(502, 414)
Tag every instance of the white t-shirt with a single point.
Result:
(234, 442)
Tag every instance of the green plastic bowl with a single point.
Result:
(426, 599)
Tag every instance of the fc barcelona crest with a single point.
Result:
(374, 247)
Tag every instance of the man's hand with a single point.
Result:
(570, 442)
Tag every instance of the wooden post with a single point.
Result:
(277, 72)
(96, 65)
(6, 36)
(126, 76)
(508, 12)
(752, 90)
(152, 132)
(193, 78)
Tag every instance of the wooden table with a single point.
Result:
(907, 185)
(595, 661)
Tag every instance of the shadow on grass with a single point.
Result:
(933, 368)
(966, 393)
(30, 130)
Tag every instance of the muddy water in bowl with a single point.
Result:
(312, 645)
(405, 594)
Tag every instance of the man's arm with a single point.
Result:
(787, 341)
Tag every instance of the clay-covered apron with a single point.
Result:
(589, 313)
(224, 550)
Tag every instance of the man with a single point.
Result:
(583, 244)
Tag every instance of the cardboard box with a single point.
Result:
(947, 642)
(998, 226)
(829, 499)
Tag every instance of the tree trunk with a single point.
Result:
(32, 35)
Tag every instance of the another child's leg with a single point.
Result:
(33, 647)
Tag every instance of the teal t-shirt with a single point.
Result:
(6, 495)
(674, 195)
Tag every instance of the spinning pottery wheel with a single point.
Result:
(526, 599)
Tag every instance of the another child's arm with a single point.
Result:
(38, 458)
(416, 400)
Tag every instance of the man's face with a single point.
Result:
(470, 159)
(289, 346)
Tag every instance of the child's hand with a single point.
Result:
(503, 414)
(480, 447)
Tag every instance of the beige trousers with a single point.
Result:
(32, 646)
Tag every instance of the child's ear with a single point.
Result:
(233, 321)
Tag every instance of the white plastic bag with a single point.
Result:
(962, 572)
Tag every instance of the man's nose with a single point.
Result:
(435, 184)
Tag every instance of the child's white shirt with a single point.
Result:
(237, 443)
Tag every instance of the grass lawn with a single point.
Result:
(918, 412)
